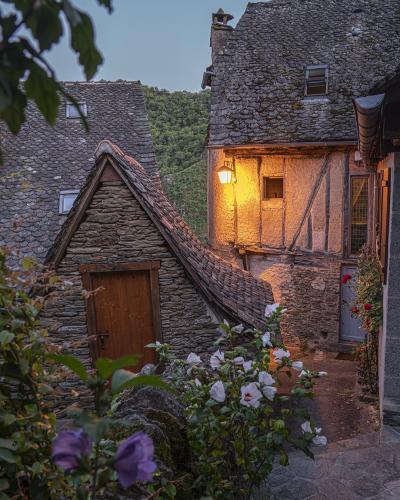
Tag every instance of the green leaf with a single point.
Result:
(7, 443)
(82, 42)
(106, 367)
(7, 456)
(123, 379)
(43, 90)
(6, 337)
(9, 419)
(107, 4)
(71, 13)
(72, 363)
(45, 24)
(4, 484)
(27, 263)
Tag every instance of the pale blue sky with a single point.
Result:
(164, 43)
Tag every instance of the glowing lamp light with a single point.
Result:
(225, 173)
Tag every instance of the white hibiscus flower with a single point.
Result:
(318, 439)
(247, 366)
(322, 374)
(239, 360)
(270, 309)
(306, 426)
(193, 359)
(266, 339)
(217, 392)
(279, 354)
(250, 395)
(197, 382)
(266, 378)
(217, 359)
(238, 329)
(297, 365)
(269, 392)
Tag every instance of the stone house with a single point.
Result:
(288, 197)
(45, 167)
(378, 124)
(138, 274)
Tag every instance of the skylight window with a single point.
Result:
(316, 83)
(66, 201)
(72, 112)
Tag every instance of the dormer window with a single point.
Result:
(67, 199)
(72, 112)
(316, 83)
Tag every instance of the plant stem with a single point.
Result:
(96, 465)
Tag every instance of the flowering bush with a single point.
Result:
(27, 424)
(238, 409)
(32, 458)
(368, 309)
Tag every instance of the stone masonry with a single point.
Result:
(116, 229)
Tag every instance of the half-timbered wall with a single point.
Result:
(297, 242)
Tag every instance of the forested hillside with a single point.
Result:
(179, 126)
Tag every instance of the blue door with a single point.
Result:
(350, 328)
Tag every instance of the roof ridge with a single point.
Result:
(235, 291)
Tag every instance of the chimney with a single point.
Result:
(220, 30)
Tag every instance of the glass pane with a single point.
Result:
(72, 112)
(68, 201)
(316, 72)
(316, 87)
(273, 187)
(359, 213)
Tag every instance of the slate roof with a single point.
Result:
(234, 291)
(258, 88)
(42, 160)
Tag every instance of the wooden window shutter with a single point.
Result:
(384, 220)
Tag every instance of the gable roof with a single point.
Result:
(42, 160)
(234, 291)
(258, 88)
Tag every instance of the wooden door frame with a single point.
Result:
(87, 270)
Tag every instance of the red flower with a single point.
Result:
(346, 278)
(367, 307)
(355, 310)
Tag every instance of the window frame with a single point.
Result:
(369, 208)
(82, 106)
(62, 196)
(307, 79)
(274, 177)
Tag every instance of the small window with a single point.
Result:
(359, 213)
(316, 80)
(273, 188)
(72, 112)
(67, 199)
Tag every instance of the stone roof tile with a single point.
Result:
(41, 160)
(227, 286)
(258, 89)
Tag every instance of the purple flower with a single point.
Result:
(69, 446)
(134, 459)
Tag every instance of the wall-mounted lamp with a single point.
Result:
(226, 173)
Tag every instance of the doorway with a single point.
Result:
(122, 309)
(350, 327)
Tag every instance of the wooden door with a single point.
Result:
(350, 328)
(122, 311)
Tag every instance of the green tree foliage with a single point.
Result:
(29, 28)
(179, 123)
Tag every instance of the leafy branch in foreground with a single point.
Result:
(22, 55)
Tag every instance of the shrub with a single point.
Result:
(239, 418)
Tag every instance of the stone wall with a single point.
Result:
(311, 294)
(389, 341)
(116, 229)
